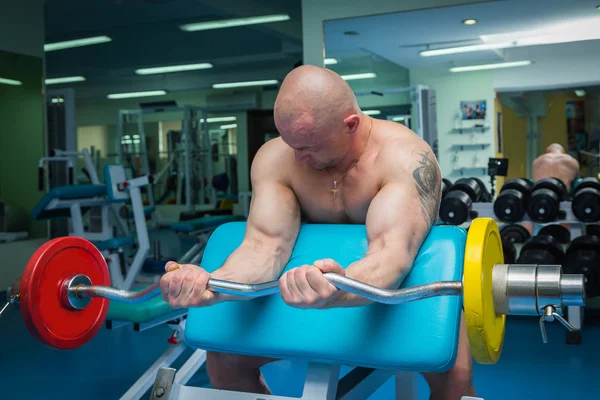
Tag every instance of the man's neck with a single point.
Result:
(356, 149)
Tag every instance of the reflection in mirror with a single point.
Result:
(533, 71)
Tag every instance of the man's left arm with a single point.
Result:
(398, 220)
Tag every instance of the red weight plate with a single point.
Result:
(43, 312)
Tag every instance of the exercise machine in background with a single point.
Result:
(189, 151)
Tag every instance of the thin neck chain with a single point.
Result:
(355, 161)
(334, 190)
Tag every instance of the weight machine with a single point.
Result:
(100, 227)
(192, 153)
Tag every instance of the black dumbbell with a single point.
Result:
(446, 185)
(557, 231)
(514, 233)
(544, 203)
(510, 251)
(541, 249)
(511, 203)
(455, 207)
(586, 200)
(583, 257)
(486, 196)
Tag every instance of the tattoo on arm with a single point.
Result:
(428, 186)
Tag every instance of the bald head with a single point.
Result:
(313, 98)
(555, 148)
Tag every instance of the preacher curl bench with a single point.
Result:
(413, 329)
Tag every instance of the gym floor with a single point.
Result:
(108, 365)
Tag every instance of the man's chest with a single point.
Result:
(325, 200)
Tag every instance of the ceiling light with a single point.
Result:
(331, 61)
(245, 84)
(470, 21)
(66, 79)
(228, 23)
(57, 100)
(76, 43)
(399, 119)
(574, 31)
(219, 119)
(172, 68)
(465, 49)
(136, 94)
(230, 126)
(372, 112)
(580, 93)
(10, 82)
(352, 77)
(490, 66)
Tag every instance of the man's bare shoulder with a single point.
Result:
(272, 160)
(402, 150)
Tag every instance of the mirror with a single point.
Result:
(534, 72)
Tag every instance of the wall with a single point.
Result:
(450, 90)
(514, 142)
(553, 127)
(22, 27)
(314, 12)
(22, 138)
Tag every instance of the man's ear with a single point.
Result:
(352, 122)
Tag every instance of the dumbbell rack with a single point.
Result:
(577, 228)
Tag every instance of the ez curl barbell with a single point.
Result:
(65, 292)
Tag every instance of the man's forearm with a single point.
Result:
(381, 269)
(251, 263)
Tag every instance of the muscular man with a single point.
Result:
(555, 163)
(331, 164)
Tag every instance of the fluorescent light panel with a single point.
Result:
(76, 43)
(490, 66)
(66, 79)
(245, 84)
(229, 23)
(397, 119)
(465, 49)
(352, 77)
(372, 112)
(574, 31)
(331, 61)
(219, 119)
(12, 82)
(136, 94)
(229, 126)
(173, 68)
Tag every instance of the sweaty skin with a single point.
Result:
(387, 178)
(554, 163)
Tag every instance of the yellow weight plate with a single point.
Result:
(485, 328)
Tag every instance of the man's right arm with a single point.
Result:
(271, 231)
(272, 226)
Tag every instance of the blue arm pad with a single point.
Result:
(417, 336)
(72, 192)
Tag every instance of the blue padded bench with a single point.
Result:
(417, 336)
(206, 222)
(115, 243)
(72, 192)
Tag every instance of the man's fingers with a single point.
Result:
(329, 265)
(176, 282)
(319, 283)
